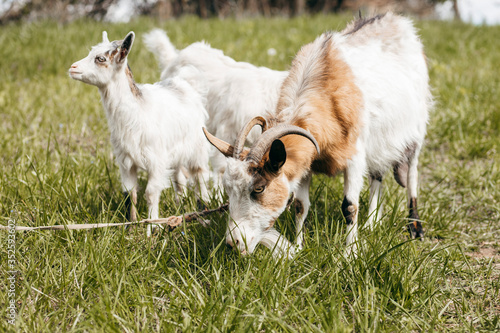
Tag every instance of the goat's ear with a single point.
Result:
(105, 37)
(277, 156)
(126, 46)
(225, 148)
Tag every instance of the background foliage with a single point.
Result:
(68, 10)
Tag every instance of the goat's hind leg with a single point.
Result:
(129, 188)
(406, 175)
(353, 184)
(414, 226)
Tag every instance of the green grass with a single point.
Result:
(57, 167)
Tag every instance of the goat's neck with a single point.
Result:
(120, 94)
(300, 153)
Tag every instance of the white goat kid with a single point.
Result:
(237, 91)
(358, 103)
(156, 128)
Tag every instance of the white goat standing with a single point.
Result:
(156, 128)
(237, 91)
(359, 101)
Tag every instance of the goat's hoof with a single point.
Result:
(416, 230)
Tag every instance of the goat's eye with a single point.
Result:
(100, 59)
(258, 189)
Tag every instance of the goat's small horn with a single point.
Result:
(240, 141)
(105, 37)
(266, 140)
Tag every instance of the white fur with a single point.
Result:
(237, 91)
(158, 129)
(386, 58)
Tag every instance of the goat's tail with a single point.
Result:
(158, 43)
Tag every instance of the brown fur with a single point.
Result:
(111, 54)
(275, 193)
(133, 87)
(331, 115)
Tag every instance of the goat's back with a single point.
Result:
(364, 89)
(388, 63)
(237, 91)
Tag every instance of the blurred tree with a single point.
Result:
(299, 7)
(456, 11)
(67, 10)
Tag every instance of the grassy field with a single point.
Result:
(57, 167)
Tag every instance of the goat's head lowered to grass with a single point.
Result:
(258, 190)
(104, 61)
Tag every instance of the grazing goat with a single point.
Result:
(357, 102)
(154, 127)
(237, 91)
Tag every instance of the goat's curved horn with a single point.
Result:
(240, 141)
(225, 148)
(274, 133)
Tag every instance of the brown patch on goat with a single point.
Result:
(275, 193)
(111, 54)
(330, 112)
(133, 87)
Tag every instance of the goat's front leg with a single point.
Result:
(202, 178)
(129, 188)
(152, 194)
(353, 184)
(302, 205)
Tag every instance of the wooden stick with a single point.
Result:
(172, 222)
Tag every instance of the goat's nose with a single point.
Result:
(74, 66)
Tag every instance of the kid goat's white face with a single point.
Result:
(105, 60)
